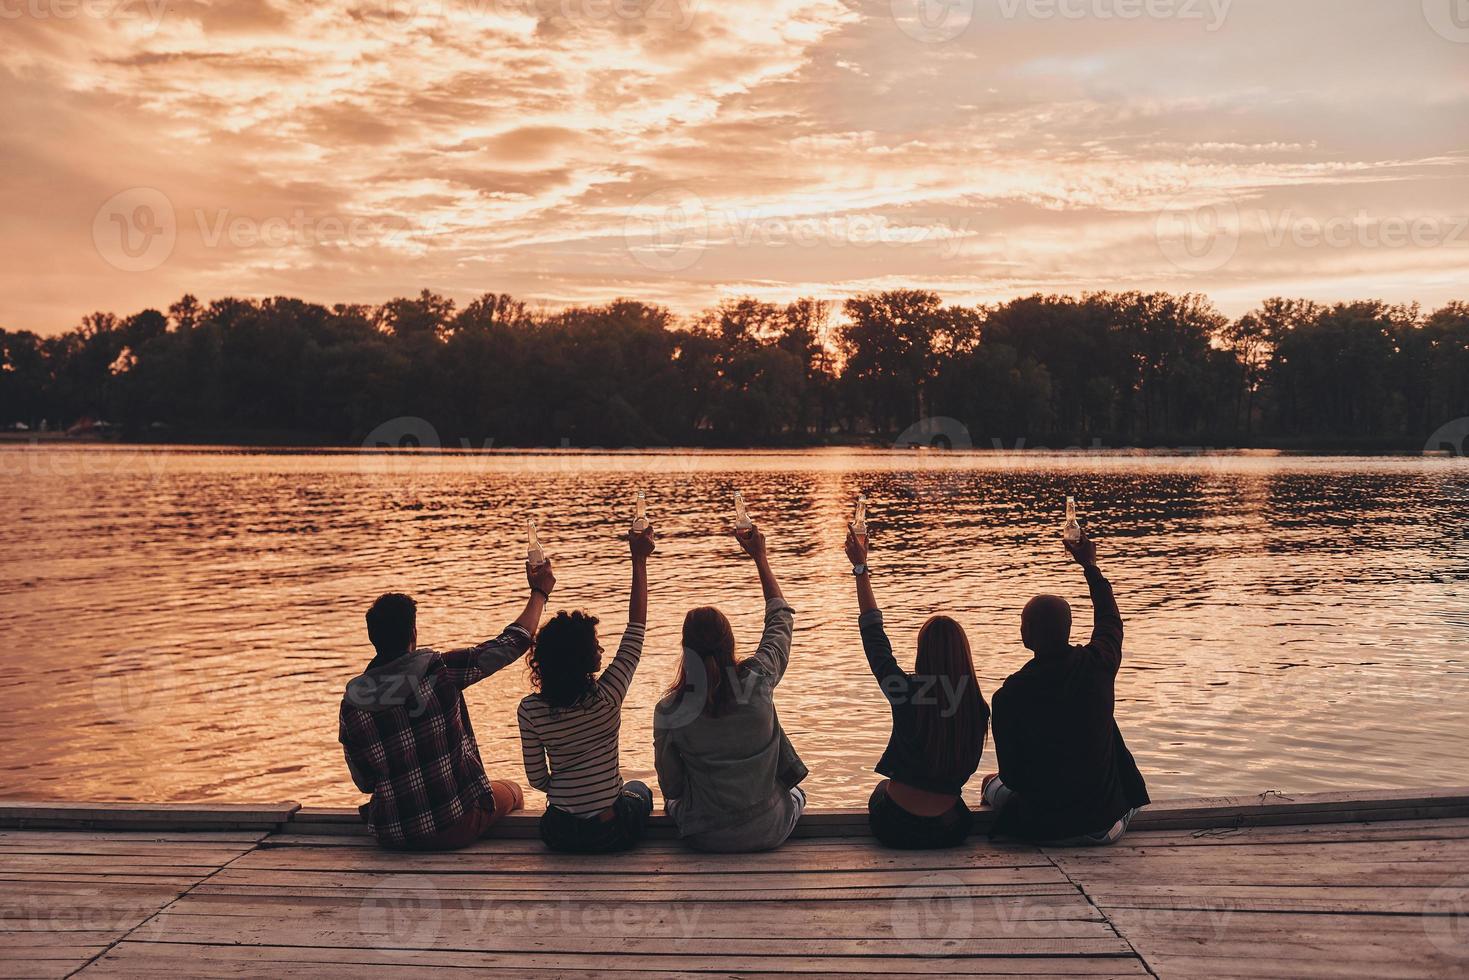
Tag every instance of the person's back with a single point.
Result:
(1065, 772)
(569, 728)
(406, 734)
(728, 773)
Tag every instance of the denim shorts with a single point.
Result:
(617, 828)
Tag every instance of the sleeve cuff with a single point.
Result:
(518, 635)
(638, 630)
(873, 617)
(776, 605)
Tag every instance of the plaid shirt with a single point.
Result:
(406, 734)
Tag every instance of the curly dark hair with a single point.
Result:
(564, 659)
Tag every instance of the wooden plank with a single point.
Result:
(754, 882)
(1044, 916)
(137, 959)
(1266, 809)
(146, 816)
(1292, 945)
(28, 968)
(560, 933)
(202, 837)
(788, 860)
(1266, 898)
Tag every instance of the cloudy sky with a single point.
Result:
(570, 151)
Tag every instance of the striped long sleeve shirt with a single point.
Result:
(580, 741)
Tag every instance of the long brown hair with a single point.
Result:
(952, 728)
(706, 631)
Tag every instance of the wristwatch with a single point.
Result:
(860, 569)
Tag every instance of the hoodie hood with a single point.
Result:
(399, 684)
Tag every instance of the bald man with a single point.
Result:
(1065, 776)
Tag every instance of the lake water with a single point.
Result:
(178, 624)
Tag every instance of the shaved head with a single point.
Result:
(1046, 623)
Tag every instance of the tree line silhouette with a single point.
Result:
(1119, 368)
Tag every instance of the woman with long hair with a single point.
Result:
(939, 723)
(727, 771)
(573, 722)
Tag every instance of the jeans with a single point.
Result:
(763, 832)
(617, 828)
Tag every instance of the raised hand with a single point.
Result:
(1084, 550)
(541, 578)
(753, 541)
(641, 543)
(856, 548)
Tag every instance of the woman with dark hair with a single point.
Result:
(939, 724)
(728, 773)
(574, 718)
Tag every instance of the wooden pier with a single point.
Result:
(1363, 884)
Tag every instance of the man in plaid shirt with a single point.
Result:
(406, 733)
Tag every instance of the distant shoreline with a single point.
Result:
(290, 442)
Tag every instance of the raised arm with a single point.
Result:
(473, 664)
(875, 642)
(857, 554)
(1106, 618)
(780, 621)
(618, 675)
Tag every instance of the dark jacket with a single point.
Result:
(905, 759)
(1058, 745)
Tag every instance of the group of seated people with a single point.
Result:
(729, 776)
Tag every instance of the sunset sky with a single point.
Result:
(680, 151)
